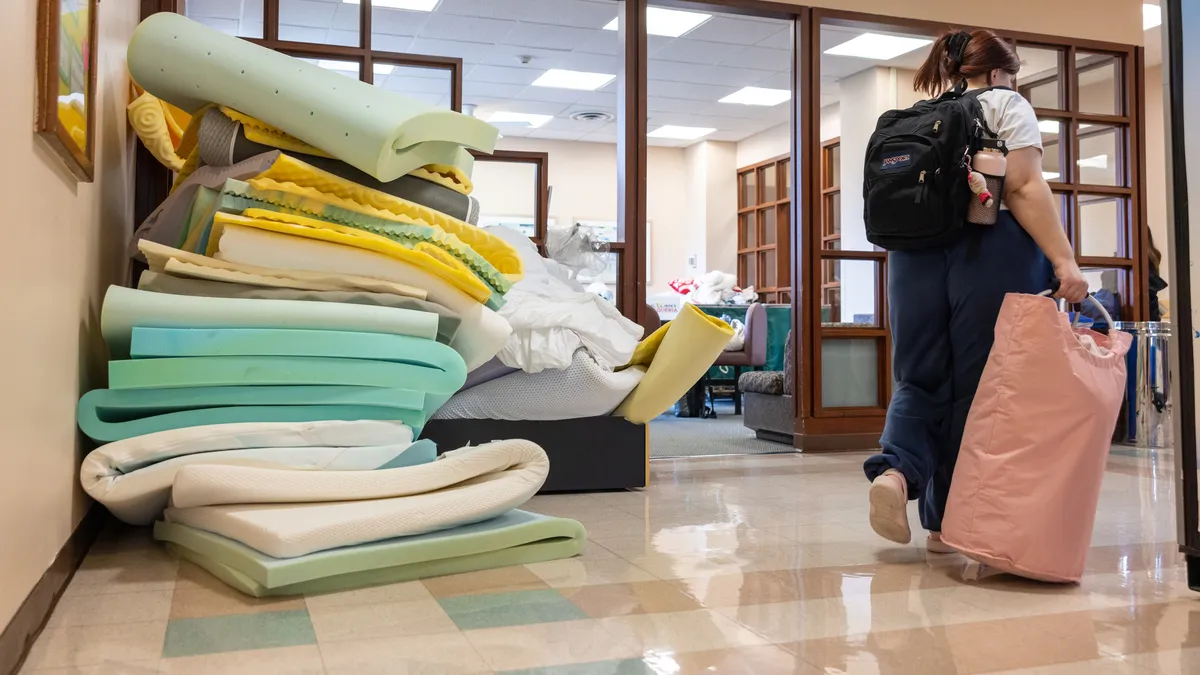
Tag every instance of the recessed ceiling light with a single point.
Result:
(1048, 126)
(410, 5)
(680, 133)
(878, 47)
(1151, 16)
(668, 22)
(573, 79)
(528, 119)
(340, 66)
(1049, 175)
(1097, 162)
(758, 96)
(383, 69)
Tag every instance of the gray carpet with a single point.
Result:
(672, 436)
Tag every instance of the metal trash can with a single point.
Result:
(1148, 393)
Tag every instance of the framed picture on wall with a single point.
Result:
(66, 82)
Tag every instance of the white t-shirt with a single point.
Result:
(1012, 118)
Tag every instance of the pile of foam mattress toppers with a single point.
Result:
(316, 293)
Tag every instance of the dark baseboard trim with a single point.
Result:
(814, 443)
(27, 624)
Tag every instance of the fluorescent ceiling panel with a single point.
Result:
(340, 66)
(528, 119)
(878, 47)
(1049, 126)
(410, 5)
(680, 133)
(758, 96)
(1049, 175)
(668, 22)
(573, 79)
(1097, 162)
(1151, 16)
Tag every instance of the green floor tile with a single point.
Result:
(510, 609)
(215, 634)
(626, 667)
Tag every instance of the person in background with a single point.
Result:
(1157, 283)
(945, 301)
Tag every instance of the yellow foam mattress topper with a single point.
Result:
(495, 250)
(447, 268)
(173, 261)
(156, 129)
(675, 357)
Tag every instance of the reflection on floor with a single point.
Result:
(755, 565)
(672, 436)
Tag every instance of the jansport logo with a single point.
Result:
(896, 162)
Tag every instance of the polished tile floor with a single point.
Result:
(755, 565)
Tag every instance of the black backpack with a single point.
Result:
(915, 191)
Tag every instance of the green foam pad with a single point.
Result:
(423, 451)
(371, 128)
(196, 342)
(516, 538)
(108, 415)
(237, 196)
(125, 308)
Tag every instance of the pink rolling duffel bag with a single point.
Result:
(1027, 483)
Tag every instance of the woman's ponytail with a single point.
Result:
(959, 56)
(933, 75)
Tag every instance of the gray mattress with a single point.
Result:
(582, 390)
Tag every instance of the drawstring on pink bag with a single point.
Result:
(1027, 483)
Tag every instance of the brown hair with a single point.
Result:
(1154, 254)
(960, 56)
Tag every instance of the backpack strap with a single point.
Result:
(975, 94)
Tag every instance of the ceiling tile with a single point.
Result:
(414, 85)
(309, 13)
(701, 74)
(216, 9)
(760, 58)
(466, 28)
(346, 17)
(551, 135)
(694, 51)
(302, 34)
(734, 31)
(577, 13)
(502, 74)
(469, 52)
(776, 81)
(551, 94)
(781, 39)
(480, 92)
(590, 63)
(346, 38)
(511, 55)
(550, 37)
(694, 92)
(493, 9)
(396, 22)
(393, 43)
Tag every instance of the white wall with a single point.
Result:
(777, 140)
(62, 243)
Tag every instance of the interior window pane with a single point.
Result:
(769, 224)
(1100, 90)
(749, 238)
(858, 281)
(318, 22)
(1114, 281)
(849, 373)
(766, 176)
(1053, 136)
(431, 85)
(1102, 226)
(350, 69)
(749, 190)
(1040, 75)
(1100, 155)
(243, 18)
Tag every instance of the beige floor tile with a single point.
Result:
(1172, 662)
(412, 591)
(503, 580)
(549, 644)
(304, 660)
(581, 572)
(80, 646)
(1093, 667)
(135, 570)
(696, 630)
(439, 654)
(1136, 629)
(764, 660)
(647, 597)
(149, 667)
(199, 594)
(104, 609)
(390, 619)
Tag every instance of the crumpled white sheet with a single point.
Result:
(552, 316)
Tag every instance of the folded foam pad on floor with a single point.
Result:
(139, 495)
(675, 358)
(223, 142)
(107, 415)
(194, 342)
(287, 169)
(513, 538)
(182, 263)
(286, 514)
(125, 308)
(427, 258)
(235, 197)
(481, 335)
(585, 389)
(157, 282)
(376, 130)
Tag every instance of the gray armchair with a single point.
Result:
(752, 354)
(770, 412)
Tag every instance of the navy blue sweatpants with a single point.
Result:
(944, 303)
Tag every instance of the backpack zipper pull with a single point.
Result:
(937, 125)
(920, 192)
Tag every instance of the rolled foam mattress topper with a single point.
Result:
(287, 514)
(513, 538)
(125, 308)
(378, 131)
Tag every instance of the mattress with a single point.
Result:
(513, 538)
(481, 335)
(266, 509)
(223, 142)
(582, 390)
(107, 415)
(159, 282)
(125, 308)
(139, 496)
(376, 130)
(182, 263)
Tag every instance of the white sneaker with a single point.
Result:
(889, 507)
